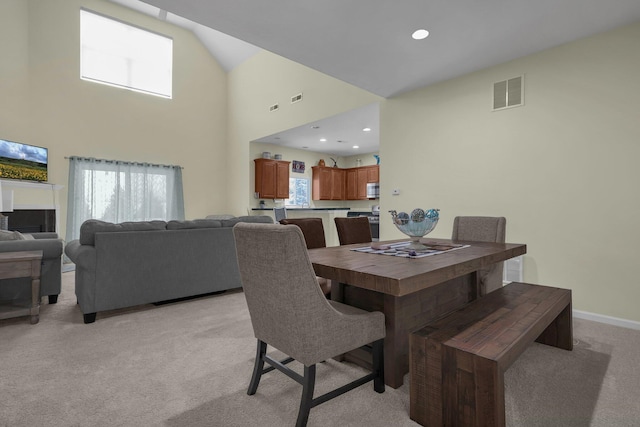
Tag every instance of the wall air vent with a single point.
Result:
(274, 107)
(508, 93)
(296, 98)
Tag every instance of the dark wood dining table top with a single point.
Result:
(399, 276)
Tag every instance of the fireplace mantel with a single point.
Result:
(9, 183)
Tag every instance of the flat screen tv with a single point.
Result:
(23, 161)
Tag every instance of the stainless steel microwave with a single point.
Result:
(373, 190)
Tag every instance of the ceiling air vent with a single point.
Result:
(274, 107)
(508, 93)
(296, 98)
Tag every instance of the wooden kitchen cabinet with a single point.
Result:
(363, 178)
(352, 184)
(343, 184)
(357, 179)
(328, 183)
(338, 181)
(272, 178)
(373, 173)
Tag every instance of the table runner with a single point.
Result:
(399, 249)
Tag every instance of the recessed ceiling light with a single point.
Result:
(420, 34)
(315, 127)
(323, 139)
(356, 146)
(366, 130)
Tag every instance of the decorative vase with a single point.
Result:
(416, 225)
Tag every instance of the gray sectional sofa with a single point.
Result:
(133, 263)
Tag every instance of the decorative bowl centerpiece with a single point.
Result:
(416, 225)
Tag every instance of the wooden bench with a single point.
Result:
(457, 362)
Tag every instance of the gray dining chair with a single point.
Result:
(483, 229)
(279, 213)
(289, 312)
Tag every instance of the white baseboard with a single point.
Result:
(616, 321)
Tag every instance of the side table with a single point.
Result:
(22, 264)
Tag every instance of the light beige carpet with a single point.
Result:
(189, 364)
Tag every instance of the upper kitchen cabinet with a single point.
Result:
(328, 183)
(357, 179)
(272, 178)
(343, 184)
(373, 173)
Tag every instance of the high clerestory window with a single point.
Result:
(122, 55)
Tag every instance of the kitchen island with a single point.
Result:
(326, 214)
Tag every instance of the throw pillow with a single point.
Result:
(10, 235)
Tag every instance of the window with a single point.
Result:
(118, 54)
(298, 192)
(116, 191)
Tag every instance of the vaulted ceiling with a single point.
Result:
(368, 43)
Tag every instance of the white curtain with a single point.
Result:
(116, 191)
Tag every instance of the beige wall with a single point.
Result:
(562, 169)
(48, 105)
(266, 79)
(14, 69)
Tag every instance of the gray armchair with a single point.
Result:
(483, 229)
(51, 270)
(289, 312)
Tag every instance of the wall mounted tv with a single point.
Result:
(23, 161)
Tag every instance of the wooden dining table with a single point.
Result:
(410, 292)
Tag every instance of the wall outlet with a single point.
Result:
(395, 192)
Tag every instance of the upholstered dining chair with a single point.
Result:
(289, 312)
(313, 232)
(483, 229)
(353, 230)
(279, 213)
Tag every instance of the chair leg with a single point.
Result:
(306, 402)
(377, 354)
(257, 367)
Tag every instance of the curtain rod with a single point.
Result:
(123, 162)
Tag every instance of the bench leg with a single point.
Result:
(472, 390)
(560, 332)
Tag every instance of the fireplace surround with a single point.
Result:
(32, 220)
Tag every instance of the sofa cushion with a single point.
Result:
(90, 227)
(220, 216)
(266, 219)
(196, 223)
